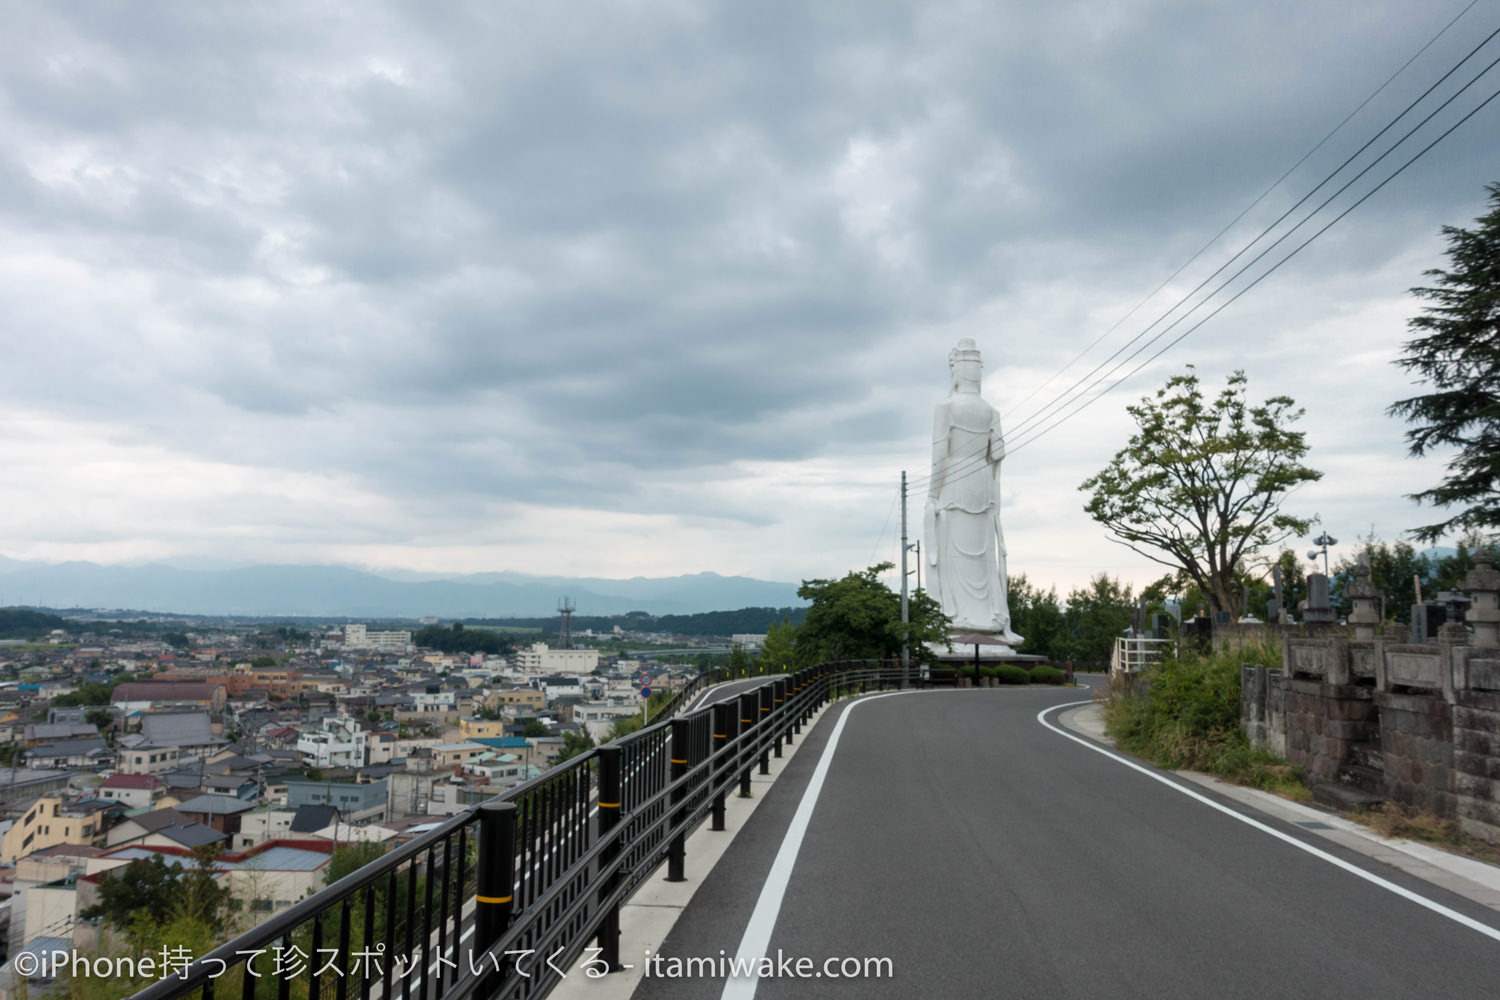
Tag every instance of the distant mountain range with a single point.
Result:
(341, 591)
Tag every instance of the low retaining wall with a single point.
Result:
(1417, 725)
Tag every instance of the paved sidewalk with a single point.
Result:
(1474, 880)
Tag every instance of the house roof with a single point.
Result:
(131, 781)
(67, 851)
(60, 730)
(179, 729)
(215, 805)
(160, 819)
(282, 857)
(311, 818)
(68, 748)
(165, 691)
(192, 834)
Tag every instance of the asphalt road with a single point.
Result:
(986, 856)
(720, 692)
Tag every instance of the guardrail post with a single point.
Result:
(784, 689)
(726, 725)
(494, 900)
(677, 847)
(764, 717)
(778, 698)
(610, 794)
(749, 711)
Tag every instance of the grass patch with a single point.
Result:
(1185, 713)
(1399, 822)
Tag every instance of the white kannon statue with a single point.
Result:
(965, 546)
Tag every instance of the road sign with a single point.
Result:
(645, 679)
(645, 692)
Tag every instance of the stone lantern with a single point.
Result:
(1365, 597)
(1482, 583)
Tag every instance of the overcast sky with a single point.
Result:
(625, 288)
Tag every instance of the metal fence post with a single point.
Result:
(610, 791)
(763, 716)
(725, 726)
(494, 899)
(749, 710)
(784, 694)
(778, 698)
(677, 847)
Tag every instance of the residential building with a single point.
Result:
(52, 821)
(141, 696)
(388, 641)
(339, 743)
(148, 759)
(219, 812)
(134, 791)
(541, 658)
(526, 698)
(355, 802)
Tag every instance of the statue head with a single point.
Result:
(965, 366)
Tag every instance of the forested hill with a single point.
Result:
(723, 623)
(19, 623)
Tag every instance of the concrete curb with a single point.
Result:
(1466, 877)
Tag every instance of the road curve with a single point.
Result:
(987, 856)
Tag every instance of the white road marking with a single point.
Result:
(1404, 893)
(768, 907)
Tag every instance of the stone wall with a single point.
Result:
(1416, 743)
(1416, 724)
(1476, 751)
(1327, 728)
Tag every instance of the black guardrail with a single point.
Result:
(526, 882)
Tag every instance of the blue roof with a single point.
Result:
(502, 742)
(283, 859)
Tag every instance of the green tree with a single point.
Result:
(1037, 617)
(532, 728)
(1458, 355)
(91, 693)
(148, 893)
(575, 742)
(859, 618)
(1201, 482)
(739, 662)
(1096, 615)
(779, 651)
(351, 858)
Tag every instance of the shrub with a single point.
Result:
(1009, 674)
(1043, 674)
(1187, 715)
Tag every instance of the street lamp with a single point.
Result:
(1323, 540)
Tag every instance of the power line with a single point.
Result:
(969, 463)
(1062, 399)
(1170, 344)
(1246, 211)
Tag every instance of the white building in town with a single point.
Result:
(542, 658)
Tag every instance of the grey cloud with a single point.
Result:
(541, 252)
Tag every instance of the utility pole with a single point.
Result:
(905, 610)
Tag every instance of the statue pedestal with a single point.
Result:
(987, 649)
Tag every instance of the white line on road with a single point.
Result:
(768, 907)
(1404, 893)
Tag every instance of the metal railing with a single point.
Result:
(529, 879)
(1133, 655)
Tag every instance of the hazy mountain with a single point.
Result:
(337, 591)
